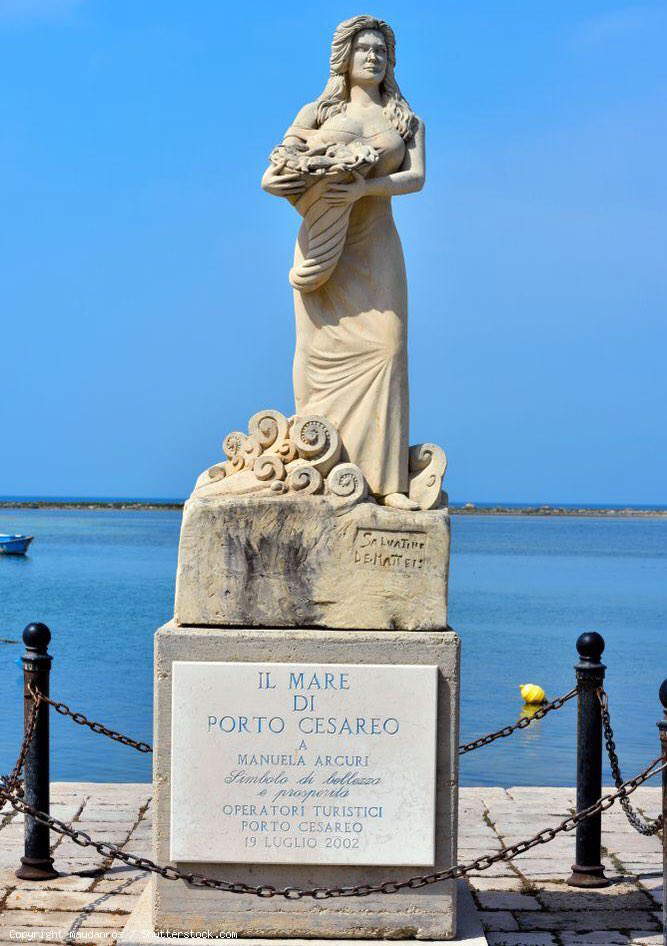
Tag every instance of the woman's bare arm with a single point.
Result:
(407, 180)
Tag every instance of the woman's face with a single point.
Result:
(368, 62)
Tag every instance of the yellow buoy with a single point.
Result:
(532, 693)
(528, 710)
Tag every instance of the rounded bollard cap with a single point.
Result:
(590, 646)
(663, 694)
(36, 637)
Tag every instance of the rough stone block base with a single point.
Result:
(427, 913)
(253, 561)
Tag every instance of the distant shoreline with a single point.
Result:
(610, 512)
(467, 509)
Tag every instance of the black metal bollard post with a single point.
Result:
(36, 863)
(662, 726)
(588, 870)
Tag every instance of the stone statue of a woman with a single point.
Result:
(327, 518)
(350, 293)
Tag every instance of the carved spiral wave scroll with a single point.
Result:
(427, 468)
(305, 480)
(346, 481)
(316, 440)
(232, 446)
(269, 467)
(286, 451)
(268, 428)
(232, 443)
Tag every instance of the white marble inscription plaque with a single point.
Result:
(286, 763)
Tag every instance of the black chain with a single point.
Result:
(324, 893)
(521, 724)
(82, 720)
(11, 783)
(642, 825)
(13, 780)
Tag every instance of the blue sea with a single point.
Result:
(521, 591)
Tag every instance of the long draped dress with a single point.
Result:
(350, 363)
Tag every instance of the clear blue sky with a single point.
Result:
(144, 301)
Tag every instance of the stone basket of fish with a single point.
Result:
(325, 227)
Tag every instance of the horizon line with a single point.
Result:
(167, 500)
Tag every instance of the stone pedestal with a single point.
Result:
(262, 561)
(306, 710)
(427, 913)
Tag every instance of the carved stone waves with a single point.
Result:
(427, 466)
(300, 457)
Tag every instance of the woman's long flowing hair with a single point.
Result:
(336, 92)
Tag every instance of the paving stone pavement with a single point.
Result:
(522, 903)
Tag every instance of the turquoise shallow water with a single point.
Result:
(522, 589)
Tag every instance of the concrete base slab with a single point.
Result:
(138, 930)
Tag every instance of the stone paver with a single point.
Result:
(522, 903)
(521, 939)
(620, 896)
(506, 900)
(498, 920)
(585, 920)
(595, 938)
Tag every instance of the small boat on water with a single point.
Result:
(14, 544)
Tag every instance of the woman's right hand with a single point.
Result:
(282, 185)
